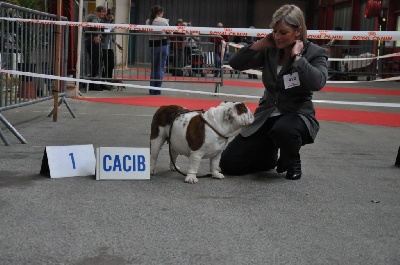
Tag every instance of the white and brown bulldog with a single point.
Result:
(197, 135)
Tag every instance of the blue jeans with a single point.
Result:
(158, 62)
(218, 62)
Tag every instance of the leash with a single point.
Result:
(170, 131)
(215, 130)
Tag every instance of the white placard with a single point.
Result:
(69, 161)
(122, 163)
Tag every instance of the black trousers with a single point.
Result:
(259, 152)
(93, 50)
(108, 61)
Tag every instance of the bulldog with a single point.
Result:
(196, 134)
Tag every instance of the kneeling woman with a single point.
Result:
(285, 119)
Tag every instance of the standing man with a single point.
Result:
(107, 44)
(219, 50)
(92, 45)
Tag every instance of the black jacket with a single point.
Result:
(312, 71)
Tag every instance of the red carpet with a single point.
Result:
(339, 115)
(230, 82)
(361, 91)
(200, 80)
(351, 90)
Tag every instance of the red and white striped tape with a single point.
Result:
(311, 34)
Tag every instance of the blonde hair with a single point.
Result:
(292, 16)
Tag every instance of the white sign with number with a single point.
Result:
(122, 163)
(71, 161)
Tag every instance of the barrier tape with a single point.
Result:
(258, 72)
(395, 78)
(238, 46)
(71, 79)
(396, 54)
(311, 34)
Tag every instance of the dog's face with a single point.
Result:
(237, 113)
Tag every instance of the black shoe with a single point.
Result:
(397, 163)
(294, 172)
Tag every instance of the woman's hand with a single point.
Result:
(266, 42)
(297, 48)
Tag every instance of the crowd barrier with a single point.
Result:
(361, 62)
(26, 66)
(380, 37)
(27, 48)
(190, 59)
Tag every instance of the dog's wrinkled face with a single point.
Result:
(238, 113)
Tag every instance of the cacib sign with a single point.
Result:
(122, 163)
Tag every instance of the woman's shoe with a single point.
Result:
(294, 172)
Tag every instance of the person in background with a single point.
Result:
(107, 47)
(336, 51)
(250, 40)
(237, 40)
(285, 119)
(158, 44)
(190, 43)
(176, 46)
(92, 45)
(219, 50)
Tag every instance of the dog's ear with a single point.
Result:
(241, 108)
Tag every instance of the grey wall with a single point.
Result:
(204, 13)
(263, 10)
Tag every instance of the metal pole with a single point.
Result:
(13, 130)
(79, 48)
(58, 60)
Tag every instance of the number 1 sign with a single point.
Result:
(69, 161)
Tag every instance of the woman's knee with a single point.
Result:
(288, 131)
(234, 160)
(233, 165)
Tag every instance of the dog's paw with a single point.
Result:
(153, 172)
(218, 175)
(191, 178)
